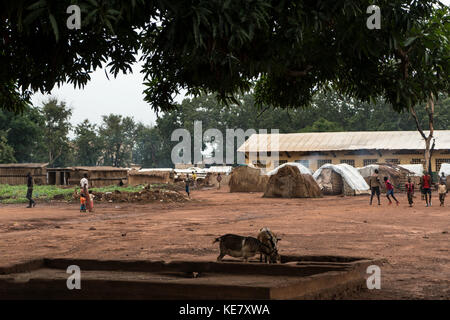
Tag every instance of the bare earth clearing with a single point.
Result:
(414, 240)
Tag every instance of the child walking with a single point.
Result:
(389, 190)
(410, 191)
(442, 190)
(82, 203)
(91, 199)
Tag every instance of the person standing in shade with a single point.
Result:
(219, 178)
(186, 182)
(84, 184)
(425, 182)
(30, 190)
(375, 184)
(410, 191)
(194, 178)
(442, 190)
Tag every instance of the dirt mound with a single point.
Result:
(146, 195)
(246, 179)
(288, 182)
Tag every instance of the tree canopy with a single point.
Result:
(286, 50)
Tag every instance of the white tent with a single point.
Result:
(350, 174)
(417, 169)
(445, 168)
(220, 169)
(368, 170)
(301, 168)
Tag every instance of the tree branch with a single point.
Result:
(413, 112)
(298, 73)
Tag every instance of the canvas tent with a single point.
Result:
(340, 179)
(415, 169)
(290, 182)
(445, 168)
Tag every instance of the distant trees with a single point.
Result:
(117, 136)
(6, 151)
(56, 132)
(87, 144)
(40, 133)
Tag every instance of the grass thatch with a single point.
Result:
(246, 179)
(288, 182)
(148, 177)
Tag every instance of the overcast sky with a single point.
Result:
(122, 95)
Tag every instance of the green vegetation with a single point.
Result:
(16, 194)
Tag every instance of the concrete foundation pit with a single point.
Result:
(296, 277)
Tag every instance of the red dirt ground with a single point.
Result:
(415, 240)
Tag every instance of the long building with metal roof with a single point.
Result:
(355, 148)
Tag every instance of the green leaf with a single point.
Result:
(409, 41)
(54, 26)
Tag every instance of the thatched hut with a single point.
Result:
(247, 179)
(340, 179)
(289, 182)
(396, 174)
(150, 176)
(99, 176)
(16, 173)
(212, 173)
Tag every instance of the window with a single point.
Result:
(417, 161)
(322, 162)
(441, 161)
(366, 162)
(393, 161)
(348, 161)
(303, 162)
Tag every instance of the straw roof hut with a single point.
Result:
(396, 174)
(289, 182)
(247, 179)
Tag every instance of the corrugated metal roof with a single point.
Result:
(338, 141)
(98, 168)
(23, 165)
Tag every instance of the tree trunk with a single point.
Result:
(430, 111)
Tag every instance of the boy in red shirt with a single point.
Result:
(426, 187)
(410, 191)
(389, 190)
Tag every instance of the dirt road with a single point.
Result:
(414, 240)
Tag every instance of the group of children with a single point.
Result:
(425, 186)
(83, 201)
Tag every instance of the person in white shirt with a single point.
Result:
(84, 183)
